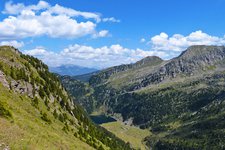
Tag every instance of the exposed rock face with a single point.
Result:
(22, 87)
(194, 61)
(191, 62)
(51, 98)
(3, 80)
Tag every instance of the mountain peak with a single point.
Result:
(9, 49)
(149, 60)
(198, 50)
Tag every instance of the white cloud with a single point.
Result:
(57, 9)
(103, 33)
(107, 56)
(13, 43)
(111, 19)
(143, 40)
(92, 57)
(14, 9)
(44, 19)
(179, 42)
(38, 51)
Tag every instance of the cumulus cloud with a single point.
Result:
(88, 56)
(14, 9)
(44, 19)
(13, 43)
(57, 9)
(178, 42)
(103, 33)
(111, 19)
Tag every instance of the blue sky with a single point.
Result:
(97, 33)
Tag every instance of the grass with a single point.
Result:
(26, 129)
(133, 135)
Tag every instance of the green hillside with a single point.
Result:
(37, 113)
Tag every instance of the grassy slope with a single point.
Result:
(26, 129)
(131, 134)
(130, 76)
(51, 125)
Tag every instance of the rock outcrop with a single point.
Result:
(3, 80)
(194, 61)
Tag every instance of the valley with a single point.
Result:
(134, 135)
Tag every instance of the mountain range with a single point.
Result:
(181, 101)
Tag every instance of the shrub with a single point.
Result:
(45, 118)
(4, 112)
(35, 102)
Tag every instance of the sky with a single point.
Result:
(104, 33)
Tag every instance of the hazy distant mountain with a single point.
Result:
(71, 70)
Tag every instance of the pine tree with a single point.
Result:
(55, 114)
(35, 102)
(42, 92)
(13, 73)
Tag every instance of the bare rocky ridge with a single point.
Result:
(22, 87)
(195, 60)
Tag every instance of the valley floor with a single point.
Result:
(131, 134)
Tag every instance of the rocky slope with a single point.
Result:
(143, 64)
(37, 113)
(180, 100)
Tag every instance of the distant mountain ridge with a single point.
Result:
(85, 77)
(72, 70)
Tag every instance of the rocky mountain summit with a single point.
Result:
(194, 61)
